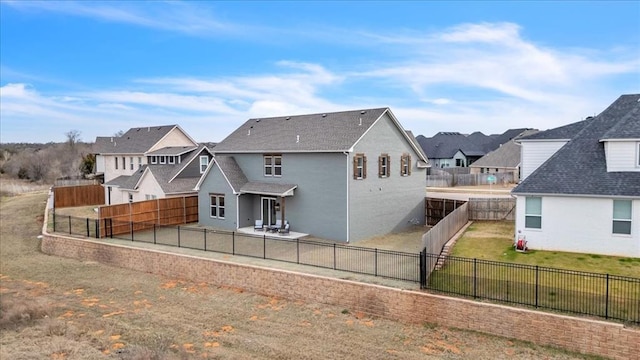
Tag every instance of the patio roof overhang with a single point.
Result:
(264, 188)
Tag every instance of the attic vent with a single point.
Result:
(288, 117)
(324, 115)
(159, 128)
(360, 124)
(112, 139)
(297, 139)
(138, 129)
(363, 112)
(257, 120)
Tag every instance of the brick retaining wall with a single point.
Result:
(572, 333)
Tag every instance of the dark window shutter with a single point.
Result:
(380, 166)
(364, 167)
(355, 167)
(388, 165)
(408, 164)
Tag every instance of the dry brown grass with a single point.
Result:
(85, 310)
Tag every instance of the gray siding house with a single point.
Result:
(341, 176)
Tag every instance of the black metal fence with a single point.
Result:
(382, 263)
(603, 295)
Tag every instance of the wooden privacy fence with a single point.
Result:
(434, 240)
(135, 216)
(437, 209)
(492, 209)
(84, 195)
(444, 179)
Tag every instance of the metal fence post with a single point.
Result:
(154, 233)
(264, 246)
(205, 238)
(475, 278)
(297, 250)
(537, 284)
(69, 224)
(606, 306)
(375, 267)
(88, 227)
(334, 256)
(130, 224)
(233, 243)
(178, 236)
(97, 223)
(54, 220)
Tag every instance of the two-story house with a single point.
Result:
(342, 176)
(581, 184)
(150, 162)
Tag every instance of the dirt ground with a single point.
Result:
(57, 308)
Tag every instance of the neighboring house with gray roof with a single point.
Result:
(504, 159)
(341, 176)
(149, 162)
(585, 196)
(450, 149)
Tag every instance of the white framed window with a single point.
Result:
(216, 204)
(638, 155)
(124, 163)
(172, 159)
(204, 162)
(405, 165)
(533, 213)
(139, 161)
(622, 217)
(272, 165)
(150, 197)
(163, 159)
(383, 165)
(359, 167)
(130, 197)
(116, 162)
(154, 160)
(131, 163)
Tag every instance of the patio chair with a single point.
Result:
(284, 230)
(278, 225)
(258, 226)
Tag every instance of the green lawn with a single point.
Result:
(493, 240)
(520, 281)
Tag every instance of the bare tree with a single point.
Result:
(73, 136)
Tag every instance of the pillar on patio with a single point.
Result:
(282, 212)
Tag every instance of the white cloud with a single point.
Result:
(183, 17)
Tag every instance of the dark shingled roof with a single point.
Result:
(444, 145)
(579, 167)
(505, 156)
(565, 132)
(336, 131)
(231, 171)
(164, 174)
(135, 141)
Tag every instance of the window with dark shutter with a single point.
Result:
(383, 165)
(359, 167)
(405, 165)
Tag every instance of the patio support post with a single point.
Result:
(282, 212)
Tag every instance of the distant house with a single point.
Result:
(450, 149)
(581, 184)
(341, 176)
(453, 149)
(148, 163)
(504, 159)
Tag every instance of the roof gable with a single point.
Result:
(579, 167)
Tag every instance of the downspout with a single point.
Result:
(348, 198)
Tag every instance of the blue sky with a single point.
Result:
(101, 67)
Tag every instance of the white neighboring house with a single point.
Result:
(150, 162)
(581, 184)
